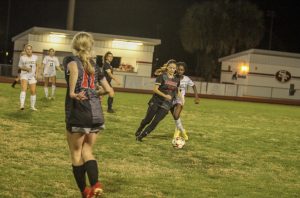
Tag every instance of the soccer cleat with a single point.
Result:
(176, 133)
(22, 108)
(86, 192)
(184, 135)
(110, 111)
(33, 109)
(141, 136)
(96, 191)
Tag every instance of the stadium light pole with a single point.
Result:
(271, 14)
(70, 17)
(6, 43)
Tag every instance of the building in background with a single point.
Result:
(262, 73)
(132, 55)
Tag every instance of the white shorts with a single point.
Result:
(178, 101)
(48, 75)
(30, 79)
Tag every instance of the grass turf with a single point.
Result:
(236, 149)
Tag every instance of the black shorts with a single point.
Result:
(85, 130)
(167, 105)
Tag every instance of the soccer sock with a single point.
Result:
(79, 174)
(32, 100)
(53, 90)
(179, 125)
(91, 168)
(46, 91)
(110, 101)
(22, 98)
(14, 83)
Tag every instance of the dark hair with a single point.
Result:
(51, 49)
(106, 54)
(183, 64)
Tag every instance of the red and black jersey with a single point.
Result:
(168, 86)
(87, 113)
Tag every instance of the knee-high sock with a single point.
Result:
(32, 100)
(91, 168)
(46, 91)
(22, 98)
(53, 90)
(110, 101)
(179, 125)
(79, 175)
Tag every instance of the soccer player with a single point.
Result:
(185, 81)
(28, 66)
(108, 72)
(84, 116)
(165, 90)
(50, 64)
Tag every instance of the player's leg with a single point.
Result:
(24, 84)
(148, 118)
(53, 82)
(159, 116)
(91, 165)
(46, 82)
(110, 100)
(75, 142)
(32, 87)
(175, 117)
(178, 122)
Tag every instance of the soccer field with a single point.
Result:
(236, 149)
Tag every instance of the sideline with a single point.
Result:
(4, 79)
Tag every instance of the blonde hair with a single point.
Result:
(163, 68)
(82, 44)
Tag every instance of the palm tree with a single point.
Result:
(220, 27)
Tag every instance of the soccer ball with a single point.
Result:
(178, 142)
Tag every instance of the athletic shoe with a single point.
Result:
(184, 135)
(86, 192)
(176, 133)
(96, 191)
(33, 109)
(140, 137)
(110, 111)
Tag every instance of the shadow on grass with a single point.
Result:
(19, 115)
(159, 136)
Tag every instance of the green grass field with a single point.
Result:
(236, 149)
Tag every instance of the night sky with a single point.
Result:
(142, 18)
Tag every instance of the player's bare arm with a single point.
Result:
(196, 95)
(112, 76)
(72, 67)
(156, 90)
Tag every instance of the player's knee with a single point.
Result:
(87, 153)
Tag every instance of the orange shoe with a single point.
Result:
(97, 190)
(86, 192)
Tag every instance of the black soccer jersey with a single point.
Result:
(167, 86)
(86, 113)
(107, 66)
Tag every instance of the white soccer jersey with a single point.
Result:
(184, 82)
(50, 64)
(29, 62)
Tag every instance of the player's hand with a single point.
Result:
(196, 100)
(168, 97)
(80, 96)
